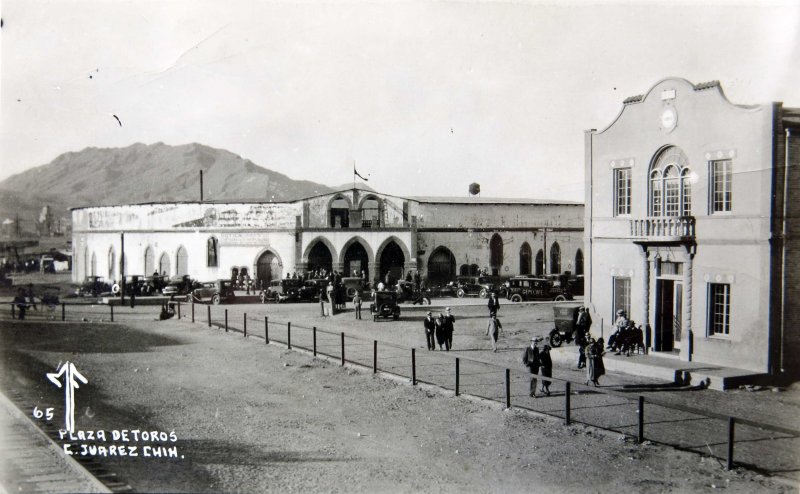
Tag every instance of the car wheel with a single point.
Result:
(484, 293)
(216, 299)
(555, 339)
(560, 298)
(351, 292)
(516, 297)
(461, 293)
(426, 301)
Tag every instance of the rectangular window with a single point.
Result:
(719, 309)
(622, 188)
(721, 181)
(622, 296)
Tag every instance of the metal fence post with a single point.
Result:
(13, 312)
(374, 356)
(342, 347)
(289, 335)
(245, 324)
(63, 311)
(314, 338)
(731, 426)
(641, 419)
(414, 366)
(226, 320)
(567, 397)
(508, 388)
(179, 309)
(266, 330)
(209, 315)
(457, 373)
(192, 310)
(112, 311)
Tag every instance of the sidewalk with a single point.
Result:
(31, 462)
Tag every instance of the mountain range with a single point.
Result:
(144, 173)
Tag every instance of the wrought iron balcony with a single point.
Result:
(663, 228)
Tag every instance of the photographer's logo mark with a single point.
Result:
(71, 378)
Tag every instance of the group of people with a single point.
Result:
(24, 300)
(627, 336)
(538, 360)
(439, 330)
(590, 351)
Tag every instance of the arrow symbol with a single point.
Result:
(71, 378)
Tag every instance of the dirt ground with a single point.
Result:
(251, 417)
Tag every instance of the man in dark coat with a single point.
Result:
(494, 304)
(449, 327)
(547, 368)
(430, 331)
(531, 359)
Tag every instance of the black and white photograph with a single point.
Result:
(399, 246)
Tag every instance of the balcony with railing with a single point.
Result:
(663, 228)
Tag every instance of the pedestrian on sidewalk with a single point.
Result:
(493, 330)
(547, 368)
(594, 361)
(531, 359)
(449, 326)
(494, 304)
(441, 332)
(357, 304)
(21, 302)
(430, 331)
(322, 295)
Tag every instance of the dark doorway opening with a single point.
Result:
(268, 268)
(356, 261)
(320, 258)
(441, 267)
(665, 316)
(392, 262)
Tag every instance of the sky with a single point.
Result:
(424, 97)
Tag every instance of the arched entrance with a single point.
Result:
(555, 258)
(540, 263)
(182, 261)
(320, 258)
(392, 261)
(579, 262)
(149, 261)
(356, 261)
(268, 268)
(441, 266)
(163, 264)
(525, 259)
(496, 254)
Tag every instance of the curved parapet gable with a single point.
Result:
(703, 86)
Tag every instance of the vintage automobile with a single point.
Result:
(408, 292)
(287, 290)
(179, 285)
(564, 318)
(216, 292)
(522, 288)
(384, 305)
(93, 286)
(152, 285)
(479, 286)
(353, 285)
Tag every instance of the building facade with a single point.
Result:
(689, 225)
(350, 231)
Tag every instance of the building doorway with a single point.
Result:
(669, 305)
(441, 267)
(392, 262)
(268, 268)
(182, 261)
(496, 254)
(525, 259)
(320, 258)
(356, 261)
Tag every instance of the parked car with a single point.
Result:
(478, 285)
(94, 286)
(353, 285)
(152, 285)
(522, 288)
(287, 290)
(384, 304)
(215, 292)
(180, 285)
(407, 292)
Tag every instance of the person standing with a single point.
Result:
(322, 295)
(494, 304)
(430, 331)
(449, 324)
(441, 334)
(531, 359)
(493, 330)
(547, 368)
(21, 301)
(357, 304)
(594, 361)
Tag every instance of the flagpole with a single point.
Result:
(354, 174)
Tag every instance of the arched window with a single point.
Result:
(540, 263)
(339, 213)
(111, 260)
(525, 259)
(93, 271)
(163, 264)
(579, 262)
(182, 261)
(212, 254)
(555, 258)
(670, 184)
(149, 261)
(496, 254)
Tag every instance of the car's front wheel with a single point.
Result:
(461, 293)
(560, 298)
(556, 339)
(516, 297)
(216, 299)
(484, 293)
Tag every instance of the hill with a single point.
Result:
(143, 173)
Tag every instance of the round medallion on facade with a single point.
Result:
(669, 118)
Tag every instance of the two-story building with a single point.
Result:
(689, 225)
(350, 231)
